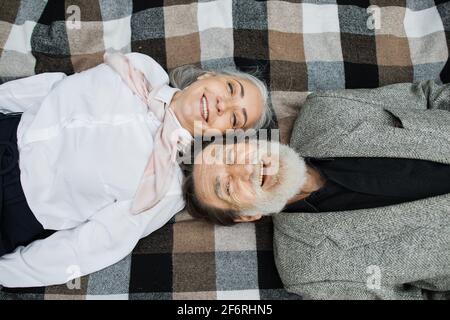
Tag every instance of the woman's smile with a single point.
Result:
(204, 108)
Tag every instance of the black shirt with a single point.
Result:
(363, 183)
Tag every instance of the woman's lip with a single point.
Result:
(201, 111)
(201, 107)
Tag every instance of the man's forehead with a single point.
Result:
(206, 168)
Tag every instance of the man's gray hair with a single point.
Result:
(183, 76)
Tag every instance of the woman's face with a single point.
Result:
(217, 102)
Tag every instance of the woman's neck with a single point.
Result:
(314, 181)
(174, 105)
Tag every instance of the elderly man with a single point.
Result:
(365, 194)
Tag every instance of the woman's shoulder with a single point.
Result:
(153, 71)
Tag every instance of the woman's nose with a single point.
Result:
(222, 105)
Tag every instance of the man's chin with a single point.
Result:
(269, 205)
(255, 212)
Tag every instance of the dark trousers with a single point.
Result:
(18, 225)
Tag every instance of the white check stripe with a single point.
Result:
(320, 18)
(117, 34)
(215, 14)
(423, 22)
(20, 37)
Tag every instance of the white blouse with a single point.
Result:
(84, 141)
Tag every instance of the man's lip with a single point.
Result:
(267, 179)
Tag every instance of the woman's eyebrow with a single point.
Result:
(244, 111)
(242, 88)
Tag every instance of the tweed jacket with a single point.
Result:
(390, 252)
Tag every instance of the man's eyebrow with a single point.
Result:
(228, 158)
(242, 88)
(217, 190)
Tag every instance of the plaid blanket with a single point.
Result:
(299, 46)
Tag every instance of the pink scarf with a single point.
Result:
(170, 137)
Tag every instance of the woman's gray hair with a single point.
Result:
(183, 76)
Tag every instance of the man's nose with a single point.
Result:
(242, 171)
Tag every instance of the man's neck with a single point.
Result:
(314, 181)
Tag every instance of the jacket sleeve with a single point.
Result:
(411, 96)
(345, 290)
(19, 95)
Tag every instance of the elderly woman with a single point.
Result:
(91, 156)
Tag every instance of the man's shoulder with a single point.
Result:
(316, 120)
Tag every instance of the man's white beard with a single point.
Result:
(292, 176)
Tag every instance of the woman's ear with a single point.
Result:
(248, 218)
(206, 75)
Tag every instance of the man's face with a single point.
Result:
(253, 178)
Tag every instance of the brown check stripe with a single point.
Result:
(298, 46)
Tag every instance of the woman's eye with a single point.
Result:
(233, 120)
(230, 87)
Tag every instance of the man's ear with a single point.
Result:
(248, 218)
(206, 75)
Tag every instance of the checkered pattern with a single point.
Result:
(298, 46)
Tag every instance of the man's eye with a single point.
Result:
(230, 87)
(227, 188)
